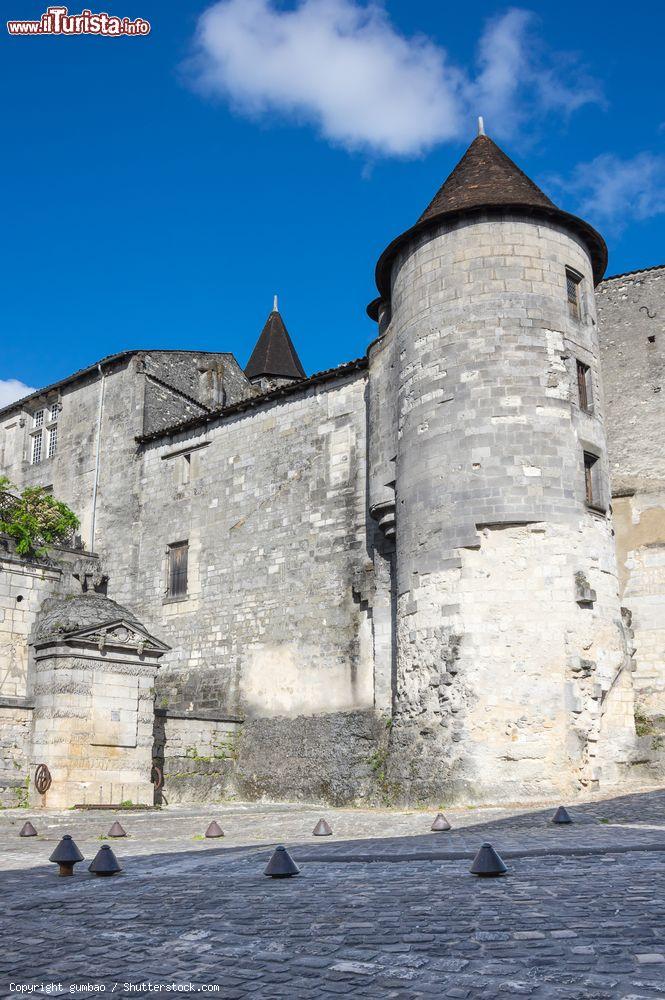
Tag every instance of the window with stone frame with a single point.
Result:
(44, 433)
(574, 293)
(584, 387)
(593, 484)
(36, 448)
(177, 569)
(52, 441)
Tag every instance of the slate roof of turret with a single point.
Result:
(487, 180)
(274, 353)
(485, 176)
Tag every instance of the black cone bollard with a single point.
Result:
(27, 830)
(104, 862)
(487, 863)
(322, 829)
(281, 864)
(117, 830)
(561, 816)
(440, 824)
(66, 855)
(214, 830)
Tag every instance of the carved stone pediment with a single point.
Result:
(122, 633)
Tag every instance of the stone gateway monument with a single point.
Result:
(94, 696)
(435, 573)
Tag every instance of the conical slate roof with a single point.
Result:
(485, 176)
(485, 181)
(274, 353)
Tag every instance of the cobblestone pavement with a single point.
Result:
(382, 909)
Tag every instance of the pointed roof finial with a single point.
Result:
(274, 354)
(481, 125)
(274, 304)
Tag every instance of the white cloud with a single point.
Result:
(343, 67)
(519, 79)
(11, 390)
(616, 191)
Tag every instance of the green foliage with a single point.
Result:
(23, 794)
(643, 724)
(126, 804)
(35, 519)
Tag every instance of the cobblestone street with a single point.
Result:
(382, 909)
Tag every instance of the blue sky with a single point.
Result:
(159, 190)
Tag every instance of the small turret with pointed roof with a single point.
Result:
(274, 358)
(487, 180)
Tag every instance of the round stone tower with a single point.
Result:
(512, 674)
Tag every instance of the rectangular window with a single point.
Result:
(573, 291)
(38, 418)
(584, 387)
(54, 411)
(177, 582)
(185, 469)
(52, 441)
(592, 481)
(36, 446)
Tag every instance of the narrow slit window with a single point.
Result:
(574, 293)
(584, 387)
(592, 481)
(177, 581)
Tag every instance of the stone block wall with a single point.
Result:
(15, 739)
(493, 531)
(631, 309)
(197, 755)
(24, 586)
(274, 514)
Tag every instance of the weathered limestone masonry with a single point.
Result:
(98, 414)
(513, 676)
(24, 586)
(274, 628)
(631, 309)
(94, 695)
(392, 581)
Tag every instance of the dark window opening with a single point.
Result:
(177, 582)
(584, 387)
(592, 481)
(573, 292)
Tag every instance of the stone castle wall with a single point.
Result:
(395, 587)
(631, 311)
(276, 625)
(506, 686)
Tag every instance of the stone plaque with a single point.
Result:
(114, 718)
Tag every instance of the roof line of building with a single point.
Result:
(178, 392)
(329, 375)
(89, 369)
(638, 270)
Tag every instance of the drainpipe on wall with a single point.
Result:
(97, 458)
